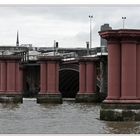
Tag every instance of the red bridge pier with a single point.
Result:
(123, 99)
(49, 80)
(11, 79)
(87, 80)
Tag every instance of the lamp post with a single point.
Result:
(123, 18)
(54, 47)
(87, 43)
(90, 17)
(17, 43)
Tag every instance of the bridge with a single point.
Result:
(68, 67)
(51, 75)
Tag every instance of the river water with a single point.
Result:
(66, 118)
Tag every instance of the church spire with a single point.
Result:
(17, 43)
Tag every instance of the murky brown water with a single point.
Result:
(66, 118)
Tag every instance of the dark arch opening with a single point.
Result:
(68, 83)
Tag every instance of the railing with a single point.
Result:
(13, 50)
(98, 50)
(67, 56)
(93, 51)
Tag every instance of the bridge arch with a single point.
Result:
(69, 80)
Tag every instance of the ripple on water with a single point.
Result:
(66, 118)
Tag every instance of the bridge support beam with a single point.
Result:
(122, 102)
(87, 80)
(103, 78)
(49, 80)
(10, 79)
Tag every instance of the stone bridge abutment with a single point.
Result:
(87, 80)
(11, 75)
(123, 100)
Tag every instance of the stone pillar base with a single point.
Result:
(11, 98)
(49, 98)
(120, 112)
(86, 97)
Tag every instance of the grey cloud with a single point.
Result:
(36, 22)
(82, 37)
(58, 12)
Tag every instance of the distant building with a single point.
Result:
(103, 28)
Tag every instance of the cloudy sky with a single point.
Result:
(40, 25)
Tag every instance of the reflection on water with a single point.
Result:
(66, 118)
(123, 127)
(9, 106)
